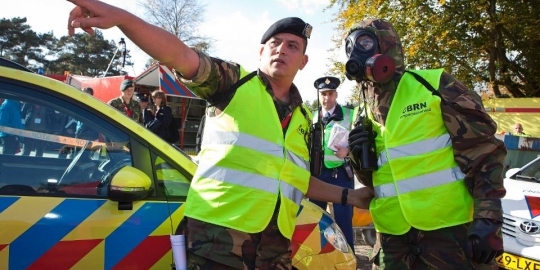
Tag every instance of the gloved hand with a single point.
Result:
(361, 149)
(357, 137)
(484, 240)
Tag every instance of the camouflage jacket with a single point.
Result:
(477, 151)
(133, 106)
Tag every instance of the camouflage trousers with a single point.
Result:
(419, 250)
(210, 246)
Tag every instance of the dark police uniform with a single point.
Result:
(146, 115)
(333, 169)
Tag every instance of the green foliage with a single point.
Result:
(486, 44)
(20, 44)
(81, 54)
(312, 105)
(85, 54)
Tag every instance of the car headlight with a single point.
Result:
(334, 236)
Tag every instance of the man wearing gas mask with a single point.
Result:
(427, 147)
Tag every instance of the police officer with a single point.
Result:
(146, 114)
(334, 118)
(253, 166)
(125, 102)
(429, 151)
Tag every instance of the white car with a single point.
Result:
(521, 212)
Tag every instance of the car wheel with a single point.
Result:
(369, 236)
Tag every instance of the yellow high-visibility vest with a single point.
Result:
(418, 183)
(247, 163)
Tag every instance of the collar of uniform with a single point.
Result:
(296, 98)
(336, 113)
(331, 111)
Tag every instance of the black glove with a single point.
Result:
(361, 149)
(484, 240)
(357, 137)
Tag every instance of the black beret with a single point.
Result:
(327, 83)
(126, 84)
(143, 97)
(291, 25)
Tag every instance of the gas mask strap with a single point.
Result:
(364, 89)
(427, 85)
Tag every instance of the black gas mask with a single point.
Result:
(365, 62)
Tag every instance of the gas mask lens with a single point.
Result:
(365, 42)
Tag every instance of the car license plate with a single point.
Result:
(513, 262)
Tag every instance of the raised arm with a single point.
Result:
(156, 42)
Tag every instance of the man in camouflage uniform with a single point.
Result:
(260, 224)
(125, 102)
(478, 157)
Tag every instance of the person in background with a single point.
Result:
(10, 116)
(333, 169)
(162, 123)
(82, 131)
(37, 118)
(428, 149)
(68, 126)
(73, 128)
(254, 161)
(147, 115)
(518, 131)
(125, 102)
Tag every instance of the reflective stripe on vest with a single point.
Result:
(418, 183)
(416, 148)
(250, 179)
(249, 141)
(247, 164)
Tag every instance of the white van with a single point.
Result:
(521, 212)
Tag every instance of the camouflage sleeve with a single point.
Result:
(136, 114)
(477, 151)
(115, 103)
(213, 76)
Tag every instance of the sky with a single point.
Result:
(236, 26)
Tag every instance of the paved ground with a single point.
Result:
(362, 251)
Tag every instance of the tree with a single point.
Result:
(20, 44)
(312, 105)
(84, 54)
(180, 17)
(483, 43)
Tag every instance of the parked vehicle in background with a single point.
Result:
(115, 198)
(508, 111)
(362, 221)
(521, 212)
